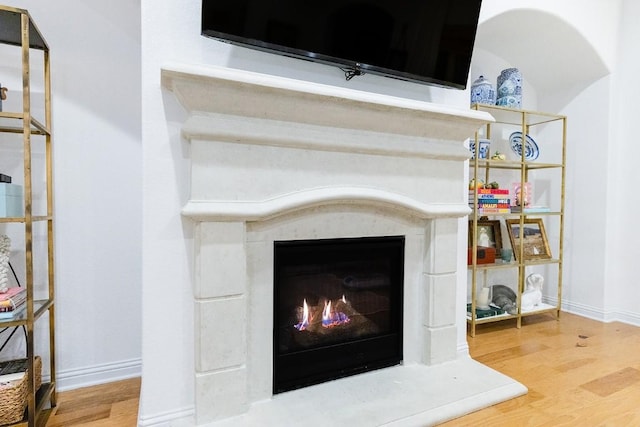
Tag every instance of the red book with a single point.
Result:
(491, 191)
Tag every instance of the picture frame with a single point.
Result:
(489, 234)
(536, 245)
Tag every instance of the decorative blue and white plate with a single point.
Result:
(531, 151)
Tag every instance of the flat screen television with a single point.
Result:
(427, 41)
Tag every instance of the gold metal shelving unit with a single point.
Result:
(18, 29)
(521, 170)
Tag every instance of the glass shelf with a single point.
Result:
(39, 307)
(513, 165)
(541, 309)
(22, 219)
(494, 265)
(511, 116)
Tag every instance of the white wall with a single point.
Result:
(623, 292)
(586, 222)
(95, 62)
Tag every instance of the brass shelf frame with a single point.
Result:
(18, 29)
(524, 120)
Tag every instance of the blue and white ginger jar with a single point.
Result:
(510, 88)
(482, 92)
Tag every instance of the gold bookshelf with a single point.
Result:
(18, 29)
(520, 170)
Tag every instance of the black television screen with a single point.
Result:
(428, 41)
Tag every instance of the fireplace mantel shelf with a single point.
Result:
(228, 210)
(209, 89)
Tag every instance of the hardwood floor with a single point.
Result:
(579, 373)
(108, 405)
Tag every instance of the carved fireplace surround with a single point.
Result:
(278, 159)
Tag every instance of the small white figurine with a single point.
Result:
(532, 296)
(3, 95)
(5, 249)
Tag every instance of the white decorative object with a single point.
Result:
(532, 296)
(483, 151)
(509, 89)
(482, 92)
(5, 249)
(484, 298)
(531, 150)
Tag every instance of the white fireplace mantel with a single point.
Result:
(280, 159)
(247, 94)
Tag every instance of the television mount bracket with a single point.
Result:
(351, 72)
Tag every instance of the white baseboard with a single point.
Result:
(100, 374)
(184, 417)
(606, 316)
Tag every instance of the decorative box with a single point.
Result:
(13, 394)
(11, 201)
(486, 255)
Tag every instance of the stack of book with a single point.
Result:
(491, 200)
(12, 302)
(482, 313)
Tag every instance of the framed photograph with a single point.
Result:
(488, 234)
(534, 241)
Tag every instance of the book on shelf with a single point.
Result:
(490, 197)
(530, 209)
(493, 191)
(494, 210)
(10, 312)
(12, 292)
(491, 200)
(482, 313)
(499, 205)
(13, 297)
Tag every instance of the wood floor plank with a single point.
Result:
(614, 382)
(106, 405)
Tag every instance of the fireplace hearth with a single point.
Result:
(337, 308)
(273, 161)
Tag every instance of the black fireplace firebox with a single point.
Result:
(337, 308)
